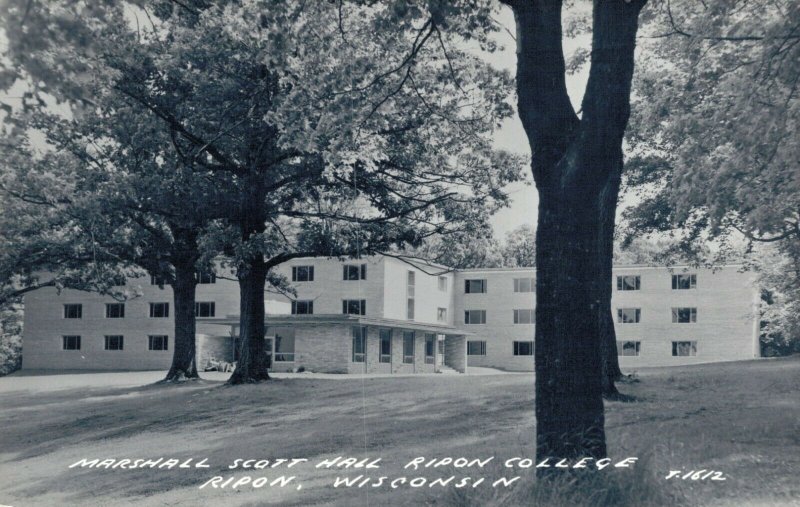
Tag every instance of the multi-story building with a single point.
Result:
(387, 315)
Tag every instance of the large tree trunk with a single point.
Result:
(252, 364)
(184, 364)
(576, 165)
(608, 345)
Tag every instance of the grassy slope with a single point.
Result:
(740, 418)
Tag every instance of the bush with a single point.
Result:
(10, 340)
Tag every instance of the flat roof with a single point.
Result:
(318, 319)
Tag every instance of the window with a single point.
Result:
(205, 309)
(408, 347)
(205, 277)
(524, 316)
(625, 348)
(354, 306)
(115, 310)
(159, 310)
(684, 315)
(359, 344)
(73, 311)
(629, 315)
(71, 342)
(386, 345)
(157, 342)
(476, 348)
(629, 282)
(284, 346)
(680, 282)
(113, 342)
(410, 294)
(524, 285)
(684, 348)
(158, 280)
(354, 272)
(523, 348)
(302, 273)
(441, 314)
(475, 317)
(302, 307)
(443, 283)
(474, 286)
(430, 347)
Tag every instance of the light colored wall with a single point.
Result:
(499, 332)
(328, 289)
(726, 316)
(427, 296)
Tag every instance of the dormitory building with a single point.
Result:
(387, 315)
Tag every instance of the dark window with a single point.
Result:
(386, 345)
(205, 309)
(476, 348)
(354, 272)
(354, 306)
(302, 307)
(629, 282)
(629, 315)
(159, 310)
(475, 317)
(441, 314)
(523, 348)
(73, 311)
(684, 348)
(410, 293)
(524, 316)
(158, 280)
(284, 347)
(680, 282)
(113, 342)
(474, 286)
(626, 348)
(524, 285)
(430, 347)
(157, 342)
(71, 342)
(205, 277)
(115, 310)
(359, 344)
(302, 273)
(684, 315)
(408, 347)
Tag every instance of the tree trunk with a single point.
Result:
(576, 165)
(184, 364)
(252, 365)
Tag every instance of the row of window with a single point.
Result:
(385, 346)
(681, 315)
(157, 310)
(359, 306)
(624, 316)
(679, 348)
(201, 277)
(624, 348)
(625, 282)
(519, 348)
(116, 342)
(352, 272)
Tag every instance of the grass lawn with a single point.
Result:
(742, 419)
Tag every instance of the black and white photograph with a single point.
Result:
(400, 253)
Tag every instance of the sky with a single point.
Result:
(511, 136)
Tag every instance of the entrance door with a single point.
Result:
(439, 350)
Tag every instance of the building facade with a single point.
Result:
(387, 315)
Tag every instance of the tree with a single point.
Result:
(519, 248)
(577, 168)
(245, 90)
